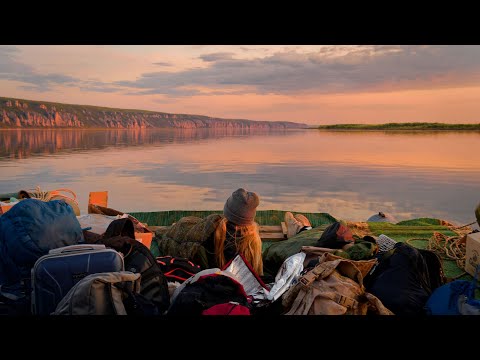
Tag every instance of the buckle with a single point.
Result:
(341, 299)
(346, 301)
(311, 276)
(307, 279)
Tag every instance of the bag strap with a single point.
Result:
(115, 291)
(113, 299)
(298, 299)
(345, 301)
(321, 270)
(340, 299)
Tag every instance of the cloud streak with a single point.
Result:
(217, 56)
(14, 70)
(330, 69)
(8, 63)
(288, 71)
(162, 63)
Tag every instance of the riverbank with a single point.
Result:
(401, 126)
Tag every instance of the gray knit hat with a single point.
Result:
(240, 207)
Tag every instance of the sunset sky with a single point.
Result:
(309, 84)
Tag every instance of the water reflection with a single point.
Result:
(348, 174)
(21, 144)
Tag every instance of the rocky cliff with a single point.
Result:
(17, 113)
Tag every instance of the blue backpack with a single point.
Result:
(28, 231)
(446, 300)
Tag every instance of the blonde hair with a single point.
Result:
(247, 243)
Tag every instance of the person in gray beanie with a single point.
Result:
(241, 207)
(237, 232)
(213, 241)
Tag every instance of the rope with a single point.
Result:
(416, 239)
(40, 195)
(459, 227)
(454, 247)
(449, 247)
(48, 195)
(55, 194)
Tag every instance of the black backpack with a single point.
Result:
(138, 259)
(436, 274)
(404, 278)
(177, 268)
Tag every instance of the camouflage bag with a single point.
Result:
(333, 287)
(185, 237)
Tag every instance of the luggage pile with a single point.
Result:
(49, 267)
(51, 264)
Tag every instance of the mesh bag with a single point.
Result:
(385, 243)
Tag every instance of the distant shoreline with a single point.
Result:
(146, 129)
(401, 127)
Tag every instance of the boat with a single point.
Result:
(419, 232)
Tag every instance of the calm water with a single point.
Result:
(350, 175)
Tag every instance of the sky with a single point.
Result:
(315, 85)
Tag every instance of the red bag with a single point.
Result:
(230, 308)
(206, 290)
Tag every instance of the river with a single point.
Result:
(351, 175)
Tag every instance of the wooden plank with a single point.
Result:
(263, 228)
(267, 232)
(270, 228)
(271, 236)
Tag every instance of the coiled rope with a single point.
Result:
(449, 247)
(48, 195)
(55, 195)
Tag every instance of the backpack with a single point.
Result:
(455, 298)
(335, 236)
(333, 287)
(405, 278)
(186, 238)
(204, 292)
(177, 268)
(138, 259)
(28, 231)
(436, 274)
(113, 293)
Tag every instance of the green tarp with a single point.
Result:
(275, 252)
